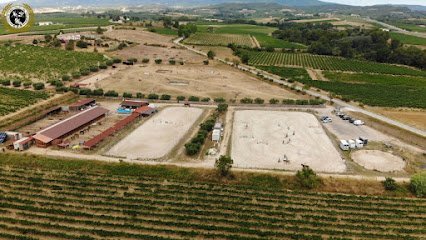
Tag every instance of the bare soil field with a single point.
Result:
(221, 52)
(413, 117)
(158, 136)
(378, 160)
(214, 80)
(140, 36)
(282, 140)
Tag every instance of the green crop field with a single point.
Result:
(39, 203)
(261, 33)
(370, 89)
(213, 39)
(164, 31)
(43, 63)
(327, 63)
(407, 39)
(12, 100)
(409, 26)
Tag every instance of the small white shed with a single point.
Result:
(216, 135)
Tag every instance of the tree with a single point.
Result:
(35, 41)
(259, 101)
(38, 86)
(192, 148)
(222, 107)
(224, 165)
(70, 45)
(274, 101)
(56, 43)
(99, 30)
(81, 44)
(47, 38)
(211, 54)
(180, 98)
(245, 58)
(307, 178)
(390, 184)
(418, 184)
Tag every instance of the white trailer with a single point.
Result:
(359, 143)
(344, 145)
(216, 135)
(352, 144)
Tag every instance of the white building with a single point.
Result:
(216, 135)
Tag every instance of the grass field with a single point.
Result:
(164, 31)
(49, 198)
(262, 34)
(409, 27)
(12, 100)
(65, 21)
(407, 39)
(43, 63)
(327, 63)
(370, 89)
(213, 39)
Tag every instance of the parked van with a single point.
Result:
(352, 144)
(344, 145)
(359, 143)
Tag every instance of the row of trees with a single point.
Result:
(374, 45)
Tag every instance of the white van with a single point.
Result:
(352, 144)
(344, 145)
(359, 143)
(358, 123)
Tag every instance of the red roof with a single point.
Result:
(69, 125)
(83, 102)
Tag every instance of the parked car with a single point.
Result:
(364, 140)
(358, 123)
(326, 119)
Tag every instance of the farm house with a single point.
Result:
(216, 135)
(57, 132)
(82, 104)
(23, 144)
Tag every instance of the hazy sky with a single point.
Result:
(373, 2)
(351, 2)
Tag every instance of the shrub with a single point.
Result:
(172, 61)
(307, 178)
(224, 165)
(192, 149)
(85, 92)
(84, 71)
(180, 98)
(211, 54)
(289, 101)
(165, 97)
(153, 96)
(38, 86)
(205, 99)
(222, 107)
(111, 93)
(145, 60)
(132, 60)
(5, 82)
(98, 92)
(208, 125)
(94, 68)
(17, 83)
(206, 62)
(76, 75)
(246, 101)
(259, 101)
(81, 44)
(390, 184)
(127, 95)
(418, 184)
(194, 99)
(116, 60)
(219, 100)
(103, 66)
(109, 62)
(27, 84)
(274, 101)
(158, 61)
(140, 95)
(66, 78)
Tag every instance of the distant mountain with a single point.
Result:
(55, 3)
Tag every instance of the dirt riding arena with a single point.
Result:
(282, 140)
(378, 160)
(215, 80)
(158, 136)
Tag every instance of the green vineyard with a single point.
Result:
(45, 204)
(45, 63)
(327, 63)
(210, 39)
(12, 100)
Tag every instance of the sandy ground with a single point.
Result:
(140, 36)
(378, 160)
(158, 136)
(265, 139)
(413, 117)
(215, 80)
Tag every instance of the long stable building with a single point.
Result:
(56, 133)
